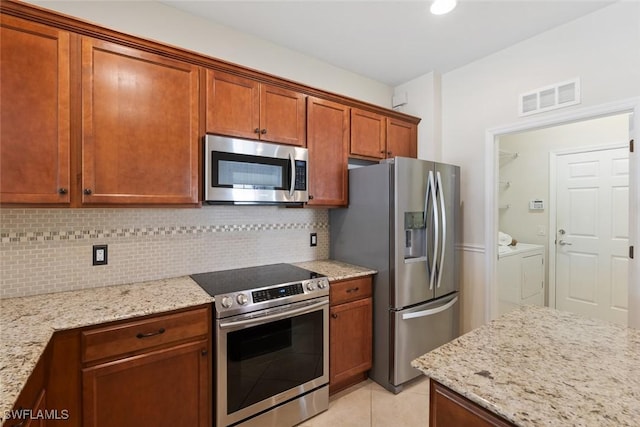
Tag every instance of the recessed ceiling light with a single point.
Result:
(440, 7)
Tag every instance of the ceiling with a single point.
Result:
(392, 41)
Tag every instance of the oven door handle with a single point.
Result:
(282, 314)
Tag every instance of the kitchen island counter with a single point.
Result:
(537, 366)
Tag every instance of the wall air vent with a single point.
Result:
(549, 98)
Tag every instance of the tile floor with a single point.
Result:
(369, 405)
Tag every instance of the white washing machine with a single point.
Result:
(520, 276)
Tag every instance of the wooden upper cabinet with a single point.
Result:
(34, 113)
(376, 137)
(328, 145)
(238, 106)
(140, 138)
(368, 134)
(402, 138)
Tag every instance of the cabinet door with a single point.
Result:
(282, 116)
(233, 105)
(402, 139)
(532, 280)
(34, 113)
(328, 145)
(140, 127)
(447, 408)
(168, 387)
(350, 331)
(367, 134)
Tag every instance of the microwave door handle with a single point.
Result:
(293, 175)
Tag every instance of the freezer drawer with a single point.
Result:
(417, 331)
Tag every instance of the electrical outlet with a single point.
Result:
(99, 254)
(313, 241)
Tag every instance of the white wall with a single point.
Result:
(423, 100)
(602, 48)
(159, 22)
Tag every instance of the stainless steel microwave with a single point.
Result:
(243, 171)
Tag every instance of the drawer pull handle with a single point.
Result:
(356, 289)
(150, 334)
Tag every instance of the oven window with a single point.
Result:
(252, 172)
(266, 360)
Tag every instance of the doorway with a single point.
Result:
(494, 200)
(562, 163)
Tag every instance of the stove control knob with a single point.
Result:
(226, 302)
(311, 286)
(242, 299)
(322, 284)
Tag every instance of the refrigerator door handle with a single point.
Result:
(431, 311)
(436, 227)
(440, 192)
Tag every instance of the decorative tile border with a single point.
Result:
(78, 235)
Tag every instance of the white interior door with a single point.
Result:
(592, 236)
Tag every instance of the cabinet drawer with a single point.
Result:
(109, 341)
(350, 290)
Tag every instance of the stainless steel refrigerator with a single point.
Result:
(402, 221)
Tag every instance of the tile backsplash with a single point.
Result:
(50, 250)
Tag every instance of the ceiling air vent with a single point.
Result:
(551, 97)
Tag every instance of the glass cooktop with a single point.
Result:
(243, 279)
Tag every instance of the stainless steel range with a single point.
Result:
(272, 344)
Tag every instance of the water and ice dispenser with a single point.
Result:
(414, 235)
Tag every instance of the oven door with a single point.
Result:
(269, 357)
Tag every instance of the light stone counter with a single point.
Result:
(27, 323)
(540, 367)
(336, 270)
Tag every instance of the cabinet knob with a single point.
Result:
(204, 352)
(256, 130)
(63, 191)
(381, 151)
(310, 197)
(334, 315)
(87, 191)
(263, 131)
(389, 153)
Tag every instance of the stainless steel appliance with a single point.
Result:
(271, 334)
(242, 171)
(402, 221)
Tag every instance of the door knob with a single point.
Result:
(563, 243)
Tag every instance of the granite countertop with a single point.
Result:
(336, 270)
(28, 323)
(537, 366)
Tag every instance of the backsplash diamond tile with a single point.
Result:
(50, 250)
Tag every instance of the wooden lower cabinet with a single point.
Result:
(447, 408)
(350, 332)
(31, 399)
(168, 387)
(153, 371)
